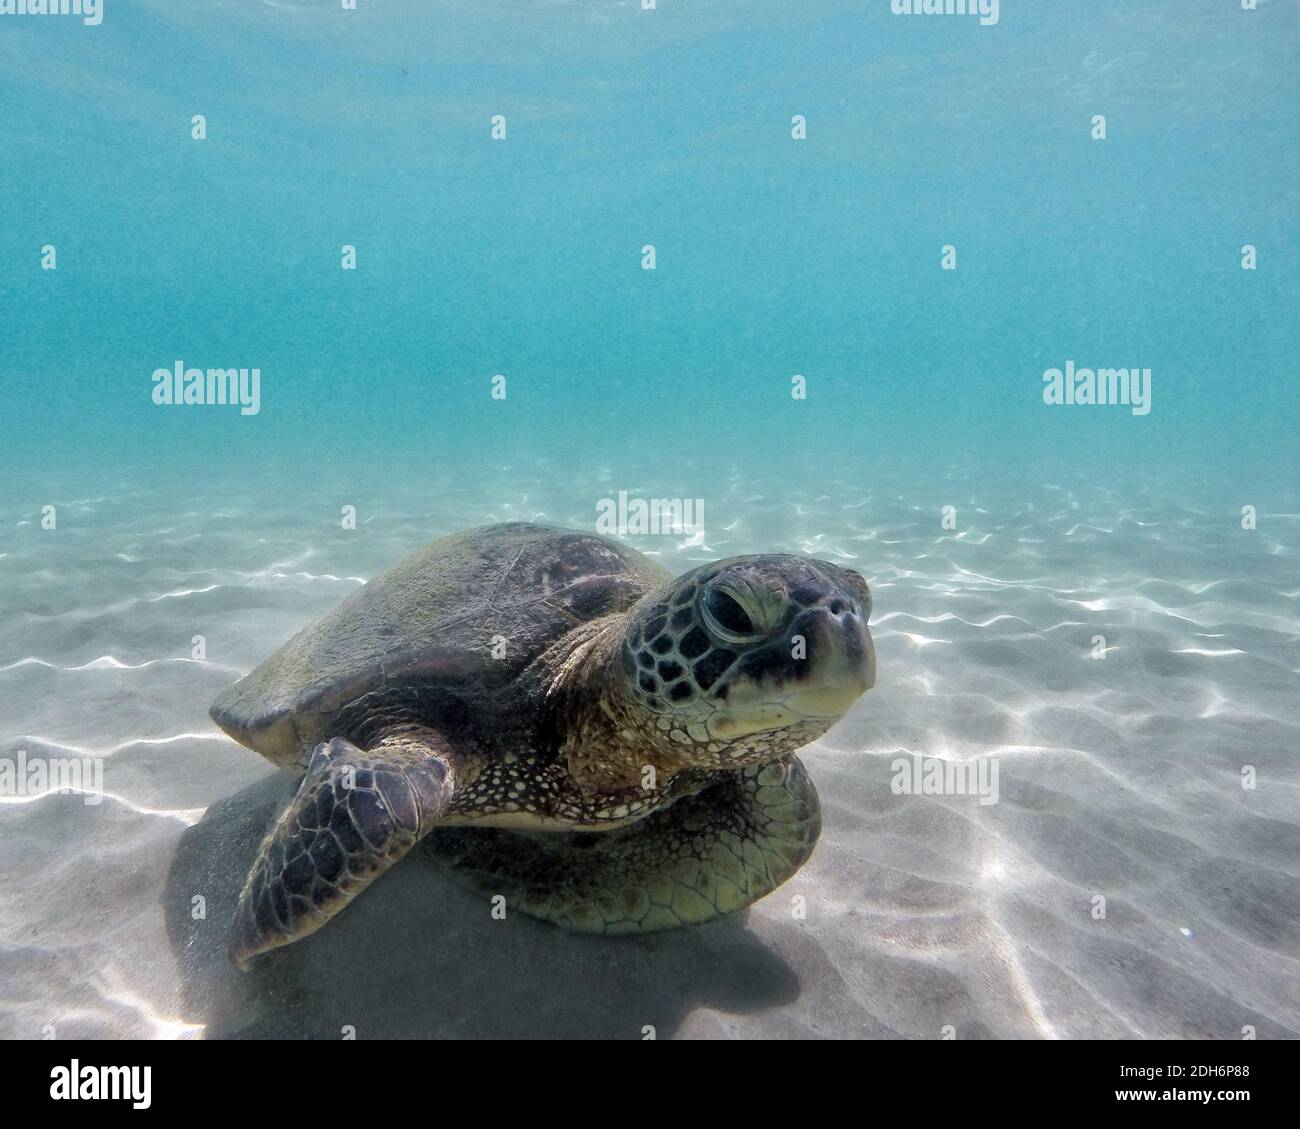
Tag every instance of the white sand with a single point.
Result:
(1118, 777)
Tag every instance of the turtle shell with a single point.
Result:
(451, 626)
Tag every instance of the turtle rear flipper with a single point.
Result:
(355, 814)
(706, 854)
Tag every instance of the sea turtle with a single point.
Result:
(506, 693)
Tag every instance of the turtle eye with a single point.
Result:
(727, 617)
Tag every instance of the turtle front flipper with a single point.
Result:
(356, 813)
(706, 854)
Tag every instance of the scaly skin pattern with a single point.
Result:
(355, 815)
(712, 853)
(625, 765)
(527, 793)
(598, 773)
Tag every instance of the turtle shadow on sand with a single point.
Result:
(420, 956)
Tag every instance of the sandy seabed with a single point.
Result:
(1118, 776)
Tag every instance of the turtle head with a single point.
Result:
(746, 660)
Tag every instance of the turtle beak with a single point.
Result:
(840, 667)
(844, 661)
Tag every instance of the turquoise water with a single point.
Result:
(669, 127)
(1121, 761)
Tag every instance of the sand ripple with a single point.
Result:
(1124, 662)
